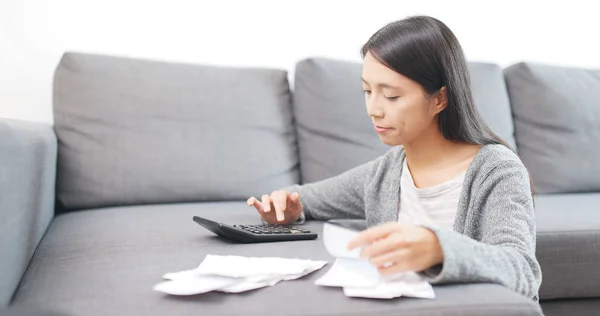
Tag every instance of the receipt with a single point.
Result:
(336, 239)
(235, 274)
(359, 278)
(350, 273)
(195, 285)
(239, 267)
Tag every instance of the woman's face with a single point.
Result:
(400, 108)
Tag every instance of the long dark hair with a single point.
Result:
(425, 50)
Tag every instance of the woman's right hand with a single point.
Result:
(281, 207)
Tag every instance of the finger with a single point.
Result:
(277, 204)
(257, 205)
(372, 234)
(266, 203)
(293, 202)
(390, 258)
(283, 197)
(395, 268)
(294, 197)
(278, 199)
(392, 242)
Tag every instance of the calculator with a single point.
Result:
(256, 233)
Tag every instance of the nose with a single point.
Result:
(373, 108)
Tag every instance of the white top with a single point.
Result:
(436, 205)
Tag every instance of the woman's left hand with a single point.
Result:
(396, 248)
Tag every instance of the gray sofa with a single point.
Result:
(97, 207)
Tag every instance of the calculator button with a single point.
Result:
(272, 229)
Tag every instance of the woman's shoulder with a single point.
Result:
(497, 159)
(494, 154)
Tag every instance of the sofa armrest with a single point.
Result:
(27, 180)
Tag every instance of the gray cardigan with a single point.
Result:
(494, 235)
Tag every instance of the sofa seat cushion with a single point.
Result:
(568, 246)
(571, 307)
(105, 262)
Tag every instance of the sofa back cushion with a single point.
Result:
(557, 125)
(136, 131)
(334, 131)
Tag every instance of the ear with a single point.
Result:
(441, 100)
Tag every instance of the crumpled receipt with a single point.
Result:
(359, 278)
(235, 274)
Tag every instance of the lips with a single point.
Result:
(382, 129)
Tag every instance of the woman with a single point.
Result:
(450, 200)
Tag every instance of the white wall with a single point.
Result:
(34, 34)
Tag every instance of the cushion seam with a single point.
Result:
(571, 232)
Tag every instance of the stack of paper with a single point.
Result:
(359, 278)
(235, 274)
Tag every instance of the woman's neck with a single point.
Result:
(430, 149)
(432, 159)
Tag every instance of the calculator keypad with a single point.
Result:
(273, 229)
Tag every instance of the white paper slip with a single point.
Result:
(250, 285)
(336, 240)
(389, 290)
(316, 265)
(196, 285)
(358, 277)
(376, 292)
(209, 283)
(234, 274)
(193, 273)
(350, 273)
(240, 267)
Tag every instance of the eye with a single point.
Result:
(367, 91)
(392, 98)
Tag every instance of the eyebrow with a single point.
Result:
(382, 85)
